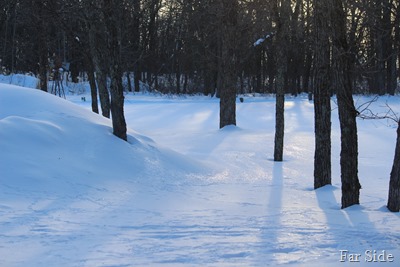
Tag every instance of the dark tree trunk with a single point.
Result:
(128, 78)
(103, 94)
(74, 72)
(92, 82)
(136, 43)
(112, 9)
(347, 112)
(185, 83)
(137, 80)
(397, 40)
(43, 68)
(279, 125)
(389, 52)
(99, 59)
(40, 21)
(227, 73)
(178, 79)
(394, 185)
(322, 104)
(282, 14)
(117, 105)
(93, 91)
(280, 105)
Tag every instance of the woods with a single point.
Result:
(172, 46)
(218, 48)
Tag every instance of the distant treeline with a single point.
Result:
(177, 46)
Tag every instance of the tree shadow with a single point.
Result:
(271, 228)
(348, 229)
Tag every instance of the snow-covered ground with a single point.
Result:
(182, 192)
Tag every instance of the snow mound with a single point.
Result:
(53, 142)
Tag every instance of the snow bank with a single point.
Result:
(48, 140)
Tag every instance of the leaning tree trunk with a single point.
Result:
(322, 101)
(226, 72)
(394, 185)
(347, 112)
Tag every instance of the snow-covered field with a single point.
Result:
(182, 192)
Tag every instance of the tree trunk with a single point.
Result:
(279, 125)
(128, 78)
(227, 73)
(282, 14)
(112, 9)
(137, 80)
(136, 43)
(42, 43)
(347, 112)
(93, 91)
(101, 78)
(394, 185)
(43, 67)
(117, 105)
(322, 104)
(389, 52)
(92, 82)
(99, 58)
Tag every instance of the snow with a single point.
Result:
(20, 79)
(181, 192)
(261, 40)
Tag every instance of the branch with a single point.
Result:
(367, 114)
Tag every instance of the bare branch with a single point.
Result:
(366, 113)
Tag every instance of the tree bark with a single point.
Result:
(394, 184)
(93, 91)
(136, 43)
(322, 102)
(112, 9)
(226, 72)
(347, 112)
(137, 79)
(98, 52)
(282, 14)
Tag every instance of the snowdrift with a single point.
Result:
(48, 142)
